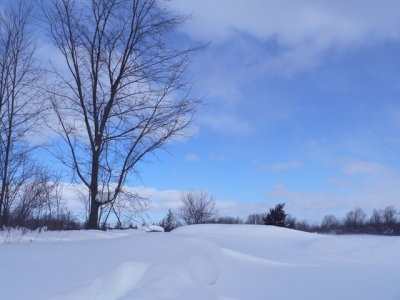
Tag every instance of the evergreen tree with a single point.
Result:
(169, 222)
(276, 216)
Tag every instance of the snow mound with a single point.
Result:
(203, 265)
(152, 228)
(251, 258)
(203, 268)
(201, 262)
(111, 287)
(247, 231)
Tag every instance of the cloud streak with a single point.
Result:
(278, 167)
(365, 167)
(227, 124)
(192, 157)
(314, 27)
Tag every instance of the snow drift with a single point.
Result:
(221, 262)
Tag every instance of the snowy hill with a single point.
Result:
(201, 262)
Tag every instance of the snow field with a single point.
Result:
(200, 262)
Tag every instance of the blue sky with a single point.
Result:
(301, 105)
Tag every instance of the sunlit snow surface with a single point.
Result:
(222, 262)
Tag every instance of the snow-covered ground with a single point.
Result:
(221, 262)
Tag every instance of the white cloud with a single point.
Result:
(216, 157)
(313, 206)
(277, 167)
(351, 167)
(242, 209)
(293, 22)
(302, 30)
(192, 157)
(163, 200)
(73, 197)
(187, 133)
(284, 166)
(336, 181)
(227, 124)
(160, 200)
(301, 203)
(51, 56)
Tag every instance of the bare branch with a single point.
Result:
(125, 92)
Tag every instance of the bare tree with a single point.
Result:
(290, 222)
(197, 207)
(38, 198)
(329, 223)
(256, 219)
(304, 226)
(228, 220)
(375, 222)
(128, 207)
(124, 92)
(389, 220)
(19, 103)
(354, 220)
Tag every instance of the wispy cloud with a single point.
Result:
(192, 157)
(219, 157)
(336, 181)
(352, 167)
(314, 27)
(226, 124)
(242, 209)
(314, 205)
(303, 205)
(161, 200)
(277, 167)
(284, 166)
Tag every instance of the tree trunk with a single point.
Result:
(93, 222)
(1, 202)
(4, 187)
(94, 214)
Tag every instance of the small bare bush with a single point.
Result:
(197, 207)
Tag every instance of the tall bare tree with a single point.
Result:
(256, 219)
(123, 93)
(19, 104)
(354, 220)
(329, 223)
(40, 197)
(197, 207)
(389, 220)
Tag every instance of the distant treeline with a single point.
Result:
(356, 221)
(380, 222)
